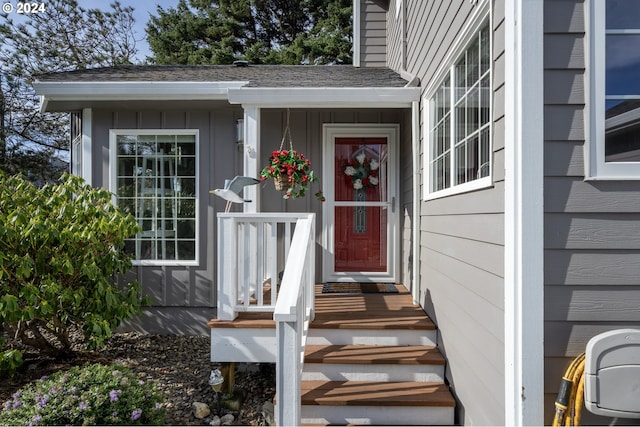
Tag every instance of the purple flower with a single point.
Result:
(136, 414)
(16, 404)
(113, 395)
(42, 401)
(44, 377)
(83, 406)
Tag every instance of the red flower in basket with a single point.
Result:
(291, 172)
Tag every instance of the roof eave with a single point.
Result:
(235, 92)
(92, 91)
(320, 97)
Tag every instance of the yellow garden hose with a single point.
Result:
(571, 395)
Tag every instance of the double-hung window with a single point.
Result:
(614, 99)
(154, 178)
(458, 117)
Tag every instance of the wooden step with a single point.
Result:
(373, 355)
(376, 403)
(369, 393)
(373, 363)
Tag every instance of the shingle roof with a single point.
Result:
(256, 75)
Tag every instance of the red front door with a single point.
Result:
(361, 184)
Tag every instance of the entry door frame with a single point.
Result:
(361, 130)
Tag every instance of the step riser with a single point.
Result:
(372, 372)
(371, 337)
(376, 415)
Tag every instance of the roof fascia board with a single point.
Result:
(127, 91)
(318, 97)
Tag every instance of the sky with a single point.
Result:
(141, 12)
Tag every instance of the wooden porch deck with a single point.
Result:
(370, 358)
(349, 311)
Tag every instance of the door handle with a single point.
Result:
(393, 204)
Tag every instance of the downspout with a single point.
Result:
(415, 239)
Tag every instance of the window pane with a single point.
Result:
(623, 62)
(473, 110)
(461, 119)
(622, 131)
(473, 161)
(485, 100)
(485, 50)
(484, 153)
(461, 161)
(447, 170)
(473, 62)
(623, 14)
(461, 78)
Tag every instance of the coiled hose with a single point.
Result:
(570, 398)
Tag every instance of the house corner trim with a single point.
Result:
(524, 213)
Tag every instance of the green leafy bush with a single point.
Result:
(60, 256)
(89, 395)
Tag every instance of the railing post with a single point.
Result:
(227, 265)
(311, 273)
(287, 385)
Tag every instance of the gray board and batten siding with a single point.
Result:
(591, 237)
(184, 297)
(186, 286)
(461, 236)
(193, 288)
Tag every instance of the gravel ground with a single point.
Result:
(180, 367)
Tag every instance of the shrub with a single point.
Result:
(89, 395)
(60, 254)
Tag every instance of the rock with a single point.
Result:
(268, 412)
(216, 421)
(201, 410)
(227, 419)
(234, 401)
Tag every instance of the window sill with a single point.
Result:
(479, 184)
(612, 178)
(149, 263)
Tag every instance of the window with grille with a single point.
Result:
(154, 178)
(459, 120)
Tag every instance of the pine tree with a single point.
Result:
(64, 37)
(260, 31)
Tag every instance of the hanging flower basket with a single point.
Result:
(282, 183)
(290, 170)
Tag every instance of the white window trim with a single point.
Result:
(113, 133)
(596, 168)
(480, 15)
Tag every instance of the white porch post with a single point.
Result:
(524, 213)
(85, 147)
(251, 156)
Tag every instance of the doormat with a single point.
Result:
(358, 288)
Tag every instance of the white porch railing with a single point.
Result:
(294, 311)
(251, 250)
